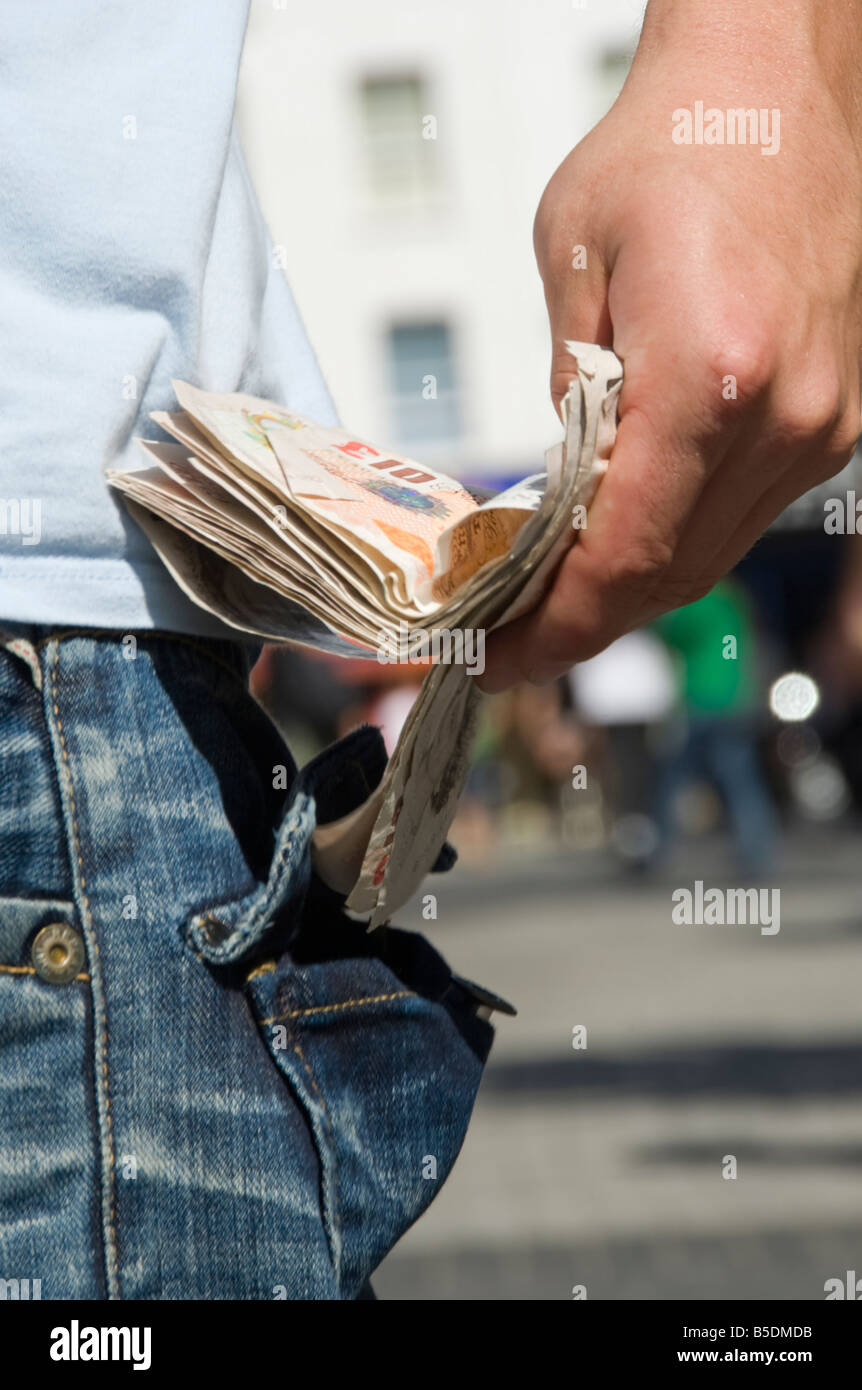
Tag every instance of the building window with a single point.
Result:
(398, 137)
(423, 383)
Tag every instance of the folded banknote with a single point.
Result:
(306, 534)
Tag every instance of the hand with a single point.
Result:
(728, 282)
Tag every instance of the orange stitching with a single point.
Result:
(348, 1004)
(265, 969)
(29, 970)
(330, 1008)
(112, 1241)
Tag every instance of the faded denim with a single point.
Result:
(242, 1094)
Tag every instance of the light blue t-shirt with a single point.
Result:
(132, 250)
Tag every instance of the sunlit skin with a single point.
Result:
(704, 263)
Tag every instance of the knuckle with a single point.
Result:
(812, 412)
(845, 434)
(745, 358)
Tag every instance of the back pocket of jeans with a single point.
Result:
(387, 1077)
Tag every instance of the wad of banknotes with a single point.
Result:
(304, 534)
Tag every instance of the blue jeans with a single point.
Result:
(214, 1083)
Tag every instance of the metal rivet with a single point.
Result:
(58, 953)
(215, 931)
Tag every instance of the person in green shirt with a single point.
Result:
(713, 642)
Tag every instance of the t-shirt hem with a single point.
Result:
(108, 594)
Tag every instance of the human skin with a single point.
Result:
(705, 263)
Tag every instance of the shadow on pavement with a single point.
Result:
(761, 1265)
(740, 1069)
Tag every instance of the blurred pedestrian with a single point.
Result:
(714, 643)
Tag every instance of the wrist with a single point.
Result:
(763, 53)
(754, 36)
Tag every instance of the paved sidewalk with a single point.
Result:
(603, 1167)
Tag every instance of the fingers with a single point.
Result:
(768, 508)
(575, 277)
(720, 428)
(751, 468)
(690, 487)
(585, 314)
(656, 474)
(795, 441)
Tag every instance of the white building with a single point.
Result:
(399, 150)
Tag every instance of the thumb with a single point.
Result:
(576, 295)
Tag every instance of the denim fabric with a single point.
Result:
(242, 1094)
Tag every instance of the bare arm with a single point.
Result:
(727, 278)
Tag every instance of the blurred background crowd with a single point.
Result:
(399, 162)
(738, 715)
(399, 153)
